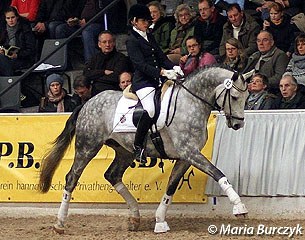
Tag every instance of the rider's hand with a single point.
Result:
(170, 74)
(178, 70)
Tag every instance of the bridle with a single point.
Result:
(229, 84)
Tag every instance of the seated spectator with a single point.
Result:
(259, 98)
(161, 26)
(223, 5)
(17, 32)
(185, 19)
(82, 88)
(242, 27)
(279, 25)
(195, 58)
(268, 60)
(235, 55)
(105, 67)
(57, 99)
(291, 7)
(209, 26)
(27, 8)
(290, 97)
(125, 79)
(296, 65)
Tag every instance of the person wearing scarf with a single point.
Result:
(259, 98)
(57, 99)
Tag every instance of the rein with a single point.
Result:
(180, 82)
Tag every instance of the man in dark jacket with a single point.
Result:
(209, 26)
(290, 98)
(105, 67)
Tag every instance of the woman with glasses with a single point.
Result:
(185, 20)
(196, 57)
(235, 57)
(259, 98)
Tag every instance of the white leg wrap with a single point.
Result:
(161, 225)
(64, 206)
(229, 191)
(130, 200)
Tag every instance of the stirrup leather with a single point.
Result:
(139, 154)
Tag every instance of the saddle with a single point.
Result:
(138, 111)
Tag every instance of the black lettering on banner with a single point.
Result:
(9, 149)
(187, 180)
(22, 153)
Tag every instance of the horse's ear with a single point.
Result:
(248, 75)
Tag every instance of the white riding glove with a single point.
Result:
(170, 74)
(178, 70)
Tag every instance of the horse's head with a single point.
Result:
(230, 97)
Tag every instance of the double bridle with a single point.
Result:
(229, 84)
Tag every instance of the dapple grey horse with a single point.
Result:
(191, 105)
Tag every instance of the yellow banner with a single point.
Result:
(24, 139)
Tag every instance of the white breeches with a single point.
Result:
(146, 96)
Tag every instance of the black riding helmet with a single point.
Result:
(139, 11)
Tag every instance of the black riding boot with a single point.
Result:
(143, 126)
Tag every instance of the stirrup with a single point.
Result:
(139, 155)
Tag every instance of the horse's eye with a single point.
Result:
(234, 98)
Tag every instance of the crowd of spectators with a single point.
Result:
(264, 35)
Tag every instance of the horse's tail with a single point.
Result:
(52, 158)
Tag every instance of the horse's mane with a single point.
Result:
(208, 67)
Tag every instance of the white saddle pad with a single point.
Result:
(123, 113)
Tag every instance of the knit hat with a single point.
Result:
(139, 11)
(54, 78)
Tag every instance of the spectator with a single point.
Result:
(280, 27)
(242, 27)
(223, 5)
(185, 19)
(17, 32)
(125, 79)
(296, 65)
(27, 8)
(235, 55)
(82, 88)
(209, 26)
(104, 68)
(161, 26)
(290, 97)
(259, 98)
(268, 60)
(196, 57)
(51, 13)
(57, 99)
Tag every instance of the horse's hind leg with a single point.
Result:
(81, 160)
(178, 171)
(114, 174)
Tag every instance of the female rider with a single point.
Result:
(150, 64)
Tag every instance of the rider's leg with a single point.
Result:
(146, 96)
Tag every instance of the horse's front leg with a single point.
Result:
(202, 163)
(114, 175)
(178, 171)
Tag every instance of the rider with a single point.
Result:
(150, 65)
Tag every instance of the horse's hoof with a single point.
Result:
(242, 216)
(161, 227)
(58, 229)
(240, 209)
(133, 223)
